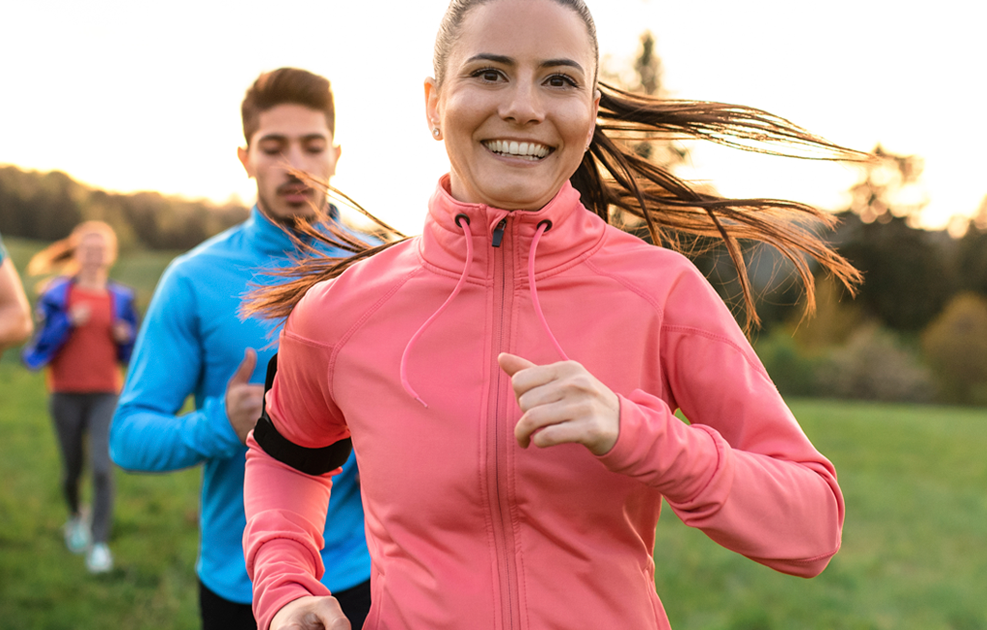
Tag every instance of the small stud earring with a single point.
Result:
(435, 132)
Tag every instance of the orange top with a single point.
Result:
(88, 360)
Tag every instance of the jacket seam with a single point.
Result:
(345, 337)
(630, 287)
(689, 330)
(583, 258)
(800, 561)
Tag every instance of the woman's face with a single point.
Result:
(92, 253)
(518, 106)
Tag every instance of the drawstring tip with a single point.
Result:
(413, 393)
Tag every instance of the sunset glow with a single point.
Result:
(131, 96)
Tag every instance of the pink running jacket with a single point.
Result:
(466, 529)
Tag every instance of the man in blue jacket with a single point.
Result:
(193, 342)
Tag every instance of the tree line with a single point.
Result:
(46, 206)
(916, 329)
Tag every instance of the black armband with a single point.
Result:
(312, 461)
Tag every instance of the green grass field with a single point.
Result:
(914, 545)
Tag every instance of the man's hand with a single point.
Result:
(244, 401)
(562, 402)
(311, 613)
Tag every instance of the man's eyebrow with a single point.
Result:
(273, 136)
(280, 137)
(508, 61)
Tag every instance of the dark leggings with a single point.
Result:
(75, 416)
(222, 614)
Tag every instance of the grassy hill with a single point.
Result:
(913, 557)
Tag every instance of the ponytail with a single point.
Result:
(613, 176)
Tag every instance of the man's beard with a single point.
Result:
(308, 211)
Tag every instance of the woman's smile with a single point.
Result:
(527, 150)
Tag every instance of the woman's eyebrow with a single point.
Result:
(509, 61)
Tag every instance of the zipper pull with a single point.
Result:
(498, 233)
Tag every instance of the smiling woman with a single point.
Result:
(87, 328)
(509, 379)
(510, 84)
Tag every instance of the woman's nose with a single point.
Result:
(523, 105)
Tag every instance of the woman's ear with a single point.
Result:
(432, 107)
(596, 112)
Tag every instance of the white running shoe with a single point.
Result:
(99, 559)
(76, 534)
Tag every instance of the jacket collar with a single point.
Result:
(574, 233)
(271, 238)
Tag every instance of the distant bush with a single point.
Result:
(874, 365)
(791, 367)
(955, 344)
(871, 365)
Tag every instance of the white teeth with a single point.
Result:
(530, 150)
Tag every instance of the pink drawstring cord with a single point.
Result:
(543, 227)
(465, 224)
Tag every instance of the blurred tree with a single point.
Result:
(836, 318)
(971, 255)
(643, 75)
(46, 206)
(955, 344)
(43, 206)
(907, 276)
(889, 188)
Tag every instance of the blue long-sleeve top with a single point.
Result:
(191, 342)
(56, 327)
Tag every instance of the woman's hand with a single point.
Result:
(123, 332)
(562, 402)
(311, 613)
(79, 314)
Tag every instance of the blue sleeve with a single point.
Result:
(128, 313)
(53, 332)
(167, 364)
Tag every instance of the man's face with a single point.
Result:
(290, 137)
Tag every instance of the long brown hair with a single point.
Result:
(613, 175)
(59, 257)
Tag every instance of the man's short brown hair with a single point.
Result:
(286, 85)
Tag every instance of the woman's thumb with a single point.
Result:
(512, 364)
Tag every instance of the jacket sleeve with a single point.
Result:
(127, 312)
(285, 508)
(147, 432)
(743, 471)
(54, 327)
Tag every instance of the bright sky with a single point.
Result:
(132, 96)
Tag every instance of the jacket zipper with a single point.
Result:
(498, 233)
(498, 432)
